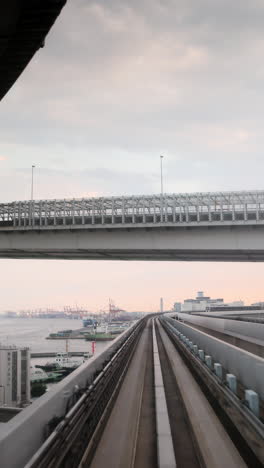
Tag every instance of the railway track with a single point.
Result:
(144, 410)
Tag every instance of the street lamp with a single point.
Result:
(161, 189)
(161, 175)
(32, 180)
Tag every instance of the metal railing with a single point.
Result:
(197, 208)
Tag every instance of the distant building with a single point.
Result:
(204, 303)
(10, 314)
(258, 305)
(177, 307)
(14, 376)
(200, 303)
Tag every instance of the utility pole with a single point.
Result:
(161, 189)
(32, 181)
(161, 175)
(31, 199)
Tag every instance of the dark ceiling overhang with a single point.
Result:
(24, 24)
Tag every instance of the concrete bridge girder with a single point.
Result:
(222, 243)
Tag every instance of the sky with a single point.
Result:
(117, 84)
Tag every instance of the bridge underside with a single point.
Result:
(139, 255)
(229, 244)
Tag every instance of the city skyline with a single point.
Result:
(171, 280)
(104, 307)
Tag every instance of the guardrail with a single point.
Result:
(215, 207)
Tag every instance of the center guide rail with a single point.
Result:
(65, 446)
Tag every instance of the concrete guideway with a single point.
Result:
(166, 456)
(216, 448)
(119, 439)
(153, 445)
(213, 447)
(144, 439)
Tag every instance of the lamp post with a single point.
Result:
(161, 175)
(161, 189)
(31, 200)
(32, 181)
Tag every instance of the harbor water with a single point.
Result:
(32, 332)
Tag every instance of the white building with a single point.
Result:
(200, 303)
(205, 303)
(14, 376)
(177, 307)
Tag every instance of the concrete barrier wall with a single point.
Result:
(21, 437)
(229, 313)
(225, 325)
(247, 329)
(247, 367)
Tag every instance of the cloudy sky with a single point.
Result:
(117, 84)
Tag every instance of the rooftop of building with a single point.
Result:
(13, 347)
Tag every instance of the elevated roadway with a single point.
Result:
(226, 226)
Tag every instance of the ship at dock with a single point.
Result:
(99, 336)
(106, 331)
(63, 363)
(38, 375)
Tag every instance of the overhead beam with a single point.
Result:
(224, 243)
